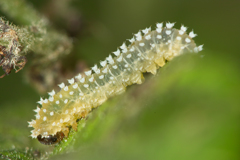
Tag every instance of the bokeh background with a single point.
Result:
(190, 110)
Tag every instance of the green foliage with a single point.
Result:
(189, 110)
(19, 155)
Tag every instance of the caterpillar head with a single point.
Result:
(51, 139)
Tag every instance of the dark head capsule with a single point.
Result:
(51, 139)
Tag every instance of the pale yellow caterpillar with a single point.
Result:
(148, 50)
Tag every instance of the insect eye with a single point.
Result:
(51, 139)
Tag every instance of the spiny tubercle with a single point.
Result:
(148, 50)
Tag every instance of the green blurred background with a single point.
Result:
(190, 110)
